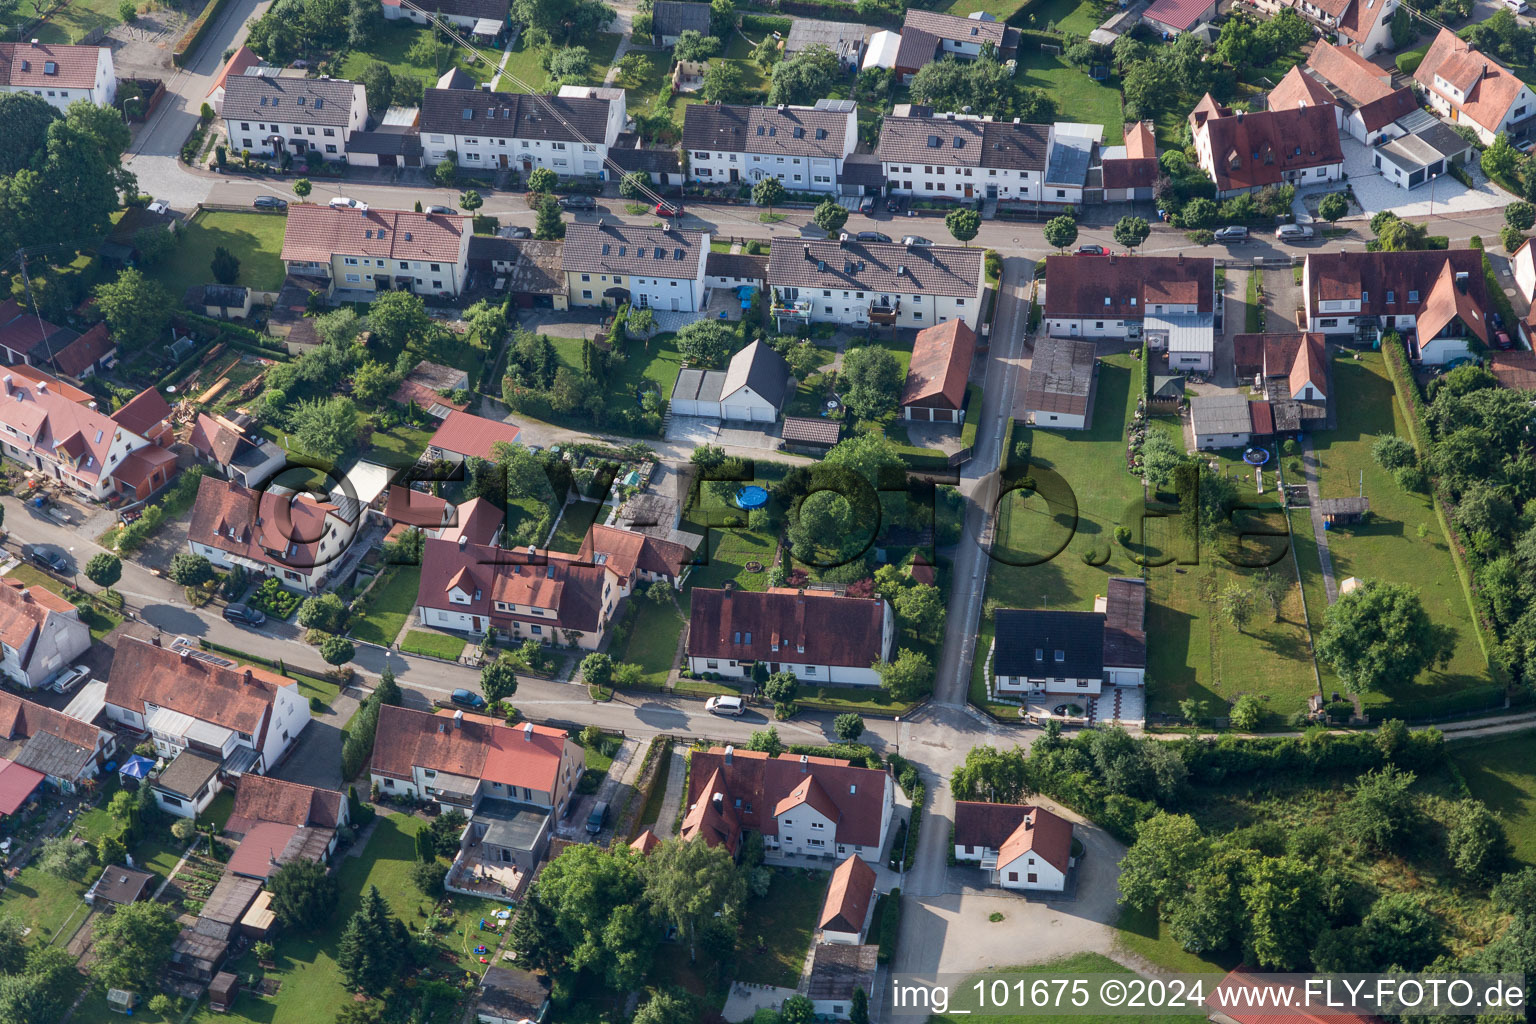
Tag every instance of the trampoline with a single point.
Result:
(751, 497)
(1256, 456)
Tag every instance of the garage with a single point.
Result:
(752, 389)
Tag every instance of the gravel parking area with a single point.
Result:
(1375, 193)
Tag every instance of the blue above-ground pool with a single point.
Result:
(1256, 456)
(751, 497)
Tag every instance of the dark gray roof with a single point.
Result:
(514, 826)
(657, 159)
(876, 266)
(187, 774)
(536, 265)
(792, 131)
(736, 264)
(964, 142)
(227, 295)
(1029, 643)
(1125, 628)
(511, 115)
(513, 994)
(496, 10)
(230, 899)
(760, 368)
(316, 101)
(53, 756)
(627, 249)
(1060, 376)
(837, 969)
(841, 37)
(698, 385)
(862, 169)
(1220, 414)
(672, 17)
(387, 140)
(118, 884)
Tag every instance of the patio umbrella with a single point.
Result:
(136, 767)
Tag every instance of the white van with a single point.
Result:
(1516, 6)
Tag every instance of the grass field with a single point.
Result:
(390, 603)
(255, 239)
(654, 364)
(964, 1003)
(524, 65)
(436, 645)
(599, 758)
(392, 45)
(1387, 546)
(70, 23)
(1502, 774)
(1312, 588)
(653, 634)
(1078, 97)
(782, 922)
(572, 527)
(101, 622)
(1141, 933)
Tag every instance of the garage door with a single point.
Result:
(738, 412)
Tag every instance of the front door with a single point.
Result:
(474, 623)
(734, 176)
(967, 190)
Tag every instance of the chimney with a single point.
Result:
(42, 386)
(805, 764)
(249, 679)
(463, 540)
(718, 800)
(154, 639)
(458, 719)
(527, 732)
(9, 383)
(730, 752)
(1181, 259)
(806, 250)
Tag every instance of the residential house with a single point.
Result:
(245, 718)
(1073, 653)
(509, 995)
(636, 557)
(187, 785)
(94, 350)
(1287, 366)
(1222, 420)
(530, 269)
(837, 971)
(377, 250)
(752, 388)
(660, 268)
(291, 536)
(1436, 298)
(732, 271)
(820, 636)
(268, 845)
(1175, 17)
(41, 634)
(248, 460)
(57, 429)
(1062, 374)
(387, 144)
(27, 338)
(484, 18)
(235, 67)
(1243, 152)
(847, 40)
(268, 115)
(1365, 26)
(477, 521)
(1522, 264)
(550, 597)
(148, 415)
(1128, 172)
(800, 805)
(59, 73)
(429, 386)
(464, 435)
(419, 510)
(927, 35)
(850, 899)
(119, 886)
(804, 147)
(1471, 88)
(860, 283)
(262, 799)
(962, 156)
(514, 783)
(62, 749)
(1168, 300)
(659, 163)
(934, 391)
(671, 18)
(497, 130)
(1023, 846)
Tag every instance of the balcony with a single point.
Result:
(884, 312)
(799, 311)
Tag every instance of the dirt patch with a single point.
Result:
(145, 46)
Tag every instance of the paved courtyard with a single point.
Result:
(1375, 193)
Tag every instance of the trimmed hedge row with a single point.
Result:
(890, 924)
(186, 46)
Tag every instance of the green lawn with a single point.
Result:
(653, 633)
(255, 239)
(402, 440)
(1079, 17)
(656, 362)
(724, 555)
(599, 760)
(100, 620)
(436, 645)
(777, 934)
(524, 65)
(1387, 546)
(389, 604)
(572, 528)
(44, 903)
(1058, 533)
(1078, 97)
(70, 23)
(964, 1006)
(392, 45)
(1312, 583)
(851, 698)
(1502, 774)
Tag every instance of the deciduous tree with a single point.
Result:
(1060, 232)
(991, 774)
(768, 193)
(829, 216)
(871, 381)
(498, 679)
(1131, 231)
(907, 678)
(1380, 634)
(137, 309)
(132, 943)
(805, 77)
(695, 887)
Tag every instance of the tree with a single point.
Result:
(858, 1007)
(137, 310)
(373, 381)
(1237, 604)
(782, 688)
(963, 224)
(397, 317)
(1247, 712)
(1521, 215)
(470, 201)
(1060, 232)
(1402, 236)
(829, 216)
(542, 179)
(848, 727)
(597, 910)
(797, 1009)
(569, 65)
(695, 887)
(61, 857)
(13, 946)
(132, 943)
(1160, 456)
(372, 947)
(110, 850)
(378, 85)
(723, 82)
(766, 741)
(1500, 159)
(224, 265)
(1131, 231)
(722, 18)
(706, 343)
(325, 427)
(805, 77)
(634, 184)
(666, 1007)
(1475, 841)
(337, 650)
(446, 173)
(1333, 206)
(24, 120)
(303, 894)
(921, 610)
(597, 669)
(1285, 911)
(990, 774)
(1511, 238)
(641, 321)
(633, 67)
(693, 45)
(104, 569)
(1153, 871)
(302, 188)
(388, 691)
(1380, 812)
(983, 85)
(907, 678)
(183, 829)
(1273, 590)
(872, 380)
(325, 612)
(1379, 634)
(1393, 453)
(498, 679)
(547, 224)
(768, 193)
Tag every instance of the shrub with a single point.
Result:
(890, 925)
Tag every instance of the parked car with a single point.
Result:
(343, 203)
(518, 232)
(598, 817)
(70, 679)
(1526, 145)
(1293, 232)
(244, 615)
(1091, 250)
(916, 240)
(270, 203)
(1498, 319)
(871, 236)
(467, 698)
(44, 558)
(668, 210)
(1233, 233)
(892, 205)
(578, 203)
(1516, 6)
(725, 706)
(1501, 339)
(867, 205)
(446, 211)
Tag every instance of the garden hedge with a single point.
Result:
(186, 46)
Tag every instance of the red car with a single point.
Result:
(667, 210)
(1501, 338)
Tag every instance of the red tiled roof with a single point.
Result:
(1140, 143)
(1014, 829)
(23, 612)
(143, 412)
(1489, 87)
(712, 814)
(1430, 274)
(1310, 365)
(772, 625)
(275, 528)
(1354, 76)
(57, 423)
(1260, 148)
(645, 842)
(1262, 415)
(259, 853)
(316, 233)
(417, 508)
(1299, 89)
(56, 385)
(1515, 370)
(22, 719)
(848, 896)
(1180, 15)
(477, 747)
(466, 434)
(243, 58)
(139, 465)
(761, 783)
(1078, 285)
(624, 552)
(84, 352)
(26, 65)
(1379, 113)
(17, 784)
(563, 583)
(238, 698)
(261, 798)
(215, 437)
(478, 522)
(941, 364)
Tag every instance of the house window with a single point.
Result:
(816, 842)
(1013, 876)
(711, 664)
(1032, 877)
(817, 824)
(810, 670)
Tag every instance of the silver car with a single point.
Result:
(1235, 233)
(1293, 232)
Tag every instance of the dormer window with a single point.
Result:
(1391, 296)
(1413, 295)
(1039, 654)
(1061, 656)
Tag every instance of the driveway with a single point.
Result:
(315, 759)
(1446, 195)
